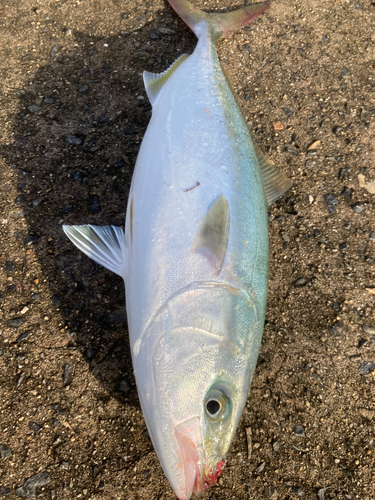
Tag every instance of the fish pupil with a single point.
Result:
(213, 407)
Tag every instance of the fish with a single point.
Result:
(194, 256)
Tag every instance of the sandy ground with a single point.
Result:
(73, 113)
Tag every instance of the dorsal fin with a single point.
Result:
(275, 183)
(213, 233)
(154, 82)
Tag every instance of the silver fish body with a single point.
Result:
(195, 262)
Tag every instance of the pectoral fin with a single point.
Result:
(213, 233)
(275, 183)
(105, 245)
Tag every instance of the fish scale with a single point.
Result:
(194, 257)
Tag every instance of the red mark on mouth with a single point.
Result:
(214, 474)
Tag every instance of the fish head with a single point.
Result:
(197, 388)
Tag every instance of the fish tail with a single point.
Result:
(221, 25)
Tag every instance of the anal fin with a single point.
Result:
(104, 244)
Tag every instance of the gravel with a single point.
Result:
(28, 489)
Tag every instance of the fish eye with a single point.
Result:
(217, 405)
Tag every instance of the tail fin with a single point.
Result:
(221, 25)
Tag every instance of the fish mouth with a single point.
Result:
(197, 477)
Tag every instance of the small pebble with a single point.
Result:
(35, 296)
(35, 427)
(336, 328)
(368, 329)
(56, 301)
(67, 374)
(15, 322)
(310, 164)
(322, 492)
(278, 126)
(299, 431)
(261, 467)
(128, 131)
(154, 36)
(366, 368)
(30, 239)
(297, 491)
(67, 209)
(372, 236)
(124, 386)
(269, 491)
(347, 192)
(301, 281)
(53, 52)
(9, 266)
(287, 111)
(34, 108)
(72, 139)
(20, 199)
(317, 233)
(28, 489)
(342, 246)
(83, 89)
(49, 100)
(4, 491)
(276, 446)
(36, 202)
(331, 202)
(345, 72)
(94, 204)
(165, 31)
(358, 207)
(5, 452)
(23, 336)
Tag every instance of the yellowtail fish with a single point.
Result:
(194, 256)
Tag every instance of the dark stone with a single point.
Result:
(49, 100)
(35, 427)
(128, 131)
(11, 288)
(337, 129)
(366, 368)
(89, 353)
(292, 151)
(5, 452)
(123, 33)
(56, 301)
(342, 246)
(359, 148)
(287, 111)
(36, 202)
(20, 199)
(118, 163)
(4, 491)
(75, 176)
(67, 209)
(82, 89)
(15, 322)
(34, 108)
(124, 386)
(67, 374)
(331, 202)
(53, 52)
(23, 336)
(297, 491)
(56, 407)
(106, 68)
(299, 431)
(347, 191)
(154, 36)
(345, 72)
(317, 233)
(72, 139)
(94, 204)
(35, 296)
(336, 328)
(336, 306)
(28, 489)
(22, 185)
(30, 239)
(9, 266)
(85, 71)
(361, 343)
(358, 207)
